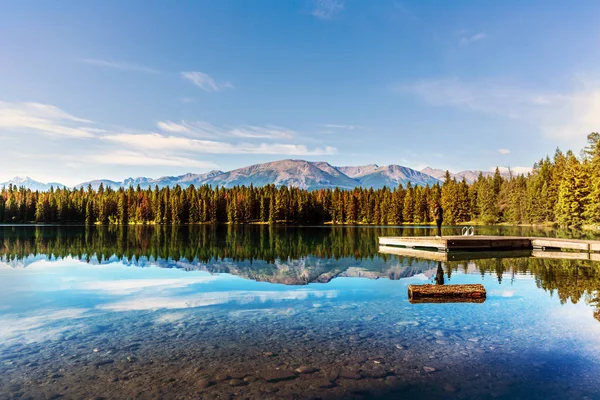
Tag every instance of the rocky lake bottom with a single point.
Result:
(316, 349)
(116, 329)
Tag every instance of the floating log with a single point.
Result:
(439, 300)
(472, 291)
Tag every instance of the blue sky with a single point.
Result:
(114, 89)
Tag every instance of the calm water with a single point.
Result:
(203, 312)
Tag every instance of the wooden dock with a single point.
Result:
(445, 256)
(488, 243)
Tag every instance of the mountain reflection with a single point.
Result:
(287, 255)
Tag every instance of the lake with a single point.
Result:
(286, 312)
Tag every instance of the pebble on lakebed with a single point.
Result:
(306, 370)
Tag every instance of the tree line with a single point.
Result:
(563, 190)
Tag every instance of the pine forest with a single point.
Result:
(562, 190)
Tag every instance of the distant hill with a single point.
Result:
(96, 184)
(469, 175)
(388, 175)
(296, 173)
(29, 183)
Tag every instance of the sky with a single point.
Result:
(116, 89)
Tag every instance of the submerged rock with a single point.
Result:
(203, 383)
(276, 375)
(222, 377)
(349, 374)
(306, 370)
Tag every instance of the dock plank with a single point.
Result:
(568, 244)
(423, 254)
(489, 243)
(433, 255)
(561, 255)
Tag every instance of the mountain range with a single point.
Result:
(296, 173)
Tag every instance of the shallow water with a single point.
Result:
(259, 312)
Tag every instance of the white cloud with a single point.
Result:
(155, 141)
(337, 126)
(467, 37)
(169, 126)
(504, 151)
(262, 132)
(563, 116)
(133, 158)
(327, 9)
(178, 146)
(117, 65)
(205, 82)
(43, 118)
(204, 129)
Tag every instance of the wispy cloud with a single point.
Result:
(466, 37)
(504, 151)
(43, 118)
(136, 158)
(401, 12)
(564, 116)
(205, 81)
(327, 9)
(124, 66)
(204, 129)
(181, 144)
(337, 126)
(155, 141)
(263, 132)
(168, 126)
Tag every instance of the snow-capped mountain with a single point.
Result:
(182, 180)
(296, 173)
(106, 183)
(469, 175)
(388, 175)
(29, 183)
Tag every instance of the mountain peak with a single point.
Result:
(288, 172)
(30, 183)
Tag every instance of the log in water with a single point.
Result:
(443, 293)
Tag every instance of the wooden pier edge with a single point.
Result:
(495, 243)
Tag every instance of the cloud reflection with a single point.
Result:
(130, 286)
(213, 298)
(37, 327)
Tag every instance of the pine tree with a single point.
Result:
(573, 193)
(408, 208)
(122, 208)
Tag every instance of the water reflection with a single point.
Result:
(162, 312)
(439, 275)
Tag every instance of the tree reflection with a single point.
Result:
(280, 253)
